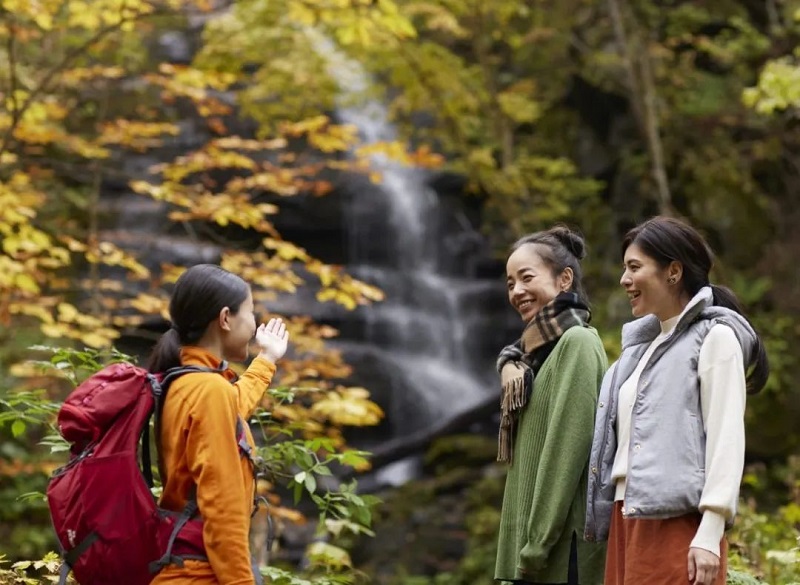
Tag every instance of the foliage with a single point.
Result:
(78, 95)
(594, 112)
(58, 63)
(20, 573)
(739, 578)
(65, 112)
(766, 537)
(341, 509)
(768, 544)
(763, 546)
(488, 76)
(605, 112)
(778, 88)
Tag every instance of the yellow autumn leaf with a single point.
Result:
(54, 329)
(25, 370)
(127, 321)
(288, 514)
(348, 409)
(346, 300)
(312, 124)
(25, 282)
(32, 310)
(329, 555)
(286, 250)
(67, 312)
(73, 244)
(301, 14)
(94, 339)
(519, 107)
(356, 393)
(326, 294)
(149, 304)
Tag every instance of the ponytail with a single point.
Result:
(166, 354)
(757, 377)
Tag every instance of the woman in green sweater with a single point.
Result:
(550, 382)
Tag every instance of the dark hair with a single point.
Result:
(199, 295)
(666, 240)
(559, 248)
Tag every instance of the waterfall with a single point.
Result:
(425, 335)
(427, 352)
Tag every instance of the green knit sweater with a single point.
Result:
(545, 497)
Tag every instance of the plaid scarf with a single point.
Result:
(519, 363)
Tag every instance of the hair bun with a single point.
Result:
(572, 241)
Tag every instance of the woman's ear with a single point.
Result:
(674, 272)
(565, 279)
(224, 319)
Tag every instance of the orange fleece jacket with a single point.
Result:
(198, 444)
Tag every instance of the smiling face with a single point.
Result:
(531, 284)
(652, 288)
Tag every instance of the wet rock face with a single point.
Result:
(426, 353)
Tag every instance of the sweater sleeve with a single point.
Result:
(722, 395)
(214, 463)
(568, 440)
(250, 387)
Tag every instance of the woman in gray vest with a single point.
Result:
(668, 449)
(550, 381)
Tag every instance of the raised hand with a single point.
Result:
(273, 339)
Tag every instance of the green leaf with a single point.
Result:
(311, 483)
(305, 459)
(32, 496)
(328, 554)
(298, 492)
(17, 428)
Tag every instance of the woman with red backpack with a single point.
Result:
(203, 441)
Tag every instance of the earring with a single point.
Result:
(672, 280)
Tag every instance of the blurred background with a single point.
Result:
(365, 165)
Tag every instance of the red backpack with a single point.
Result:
(108, 524)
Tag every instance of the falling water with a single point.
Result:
(397, 242)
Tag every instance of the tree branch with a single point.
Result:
(653, 133)
(502, 128)
(94, 206)
(774, 16)
(11, 49)
(52, 74)
(642, 89)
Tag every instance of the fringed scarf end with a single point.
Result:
(514, 399)
(504, 445)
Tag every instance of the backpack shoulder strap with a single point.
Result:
(159, 386)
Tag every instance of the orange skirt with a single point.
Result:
(653, 552)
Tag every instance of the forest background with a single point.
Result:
(597, 113)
